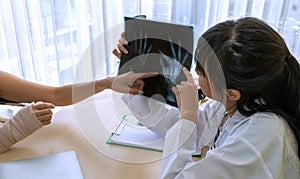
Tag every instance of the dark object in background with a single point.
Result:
(201, 96)
(155, 37)
(161, 47)
(156, 87)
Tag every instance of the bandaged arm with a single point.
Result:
(21, 125)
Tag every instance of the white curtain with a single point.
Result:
(57, 42)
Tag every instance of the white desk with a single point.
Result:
(84, 128)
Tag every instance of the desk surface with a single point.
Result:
(84, 128)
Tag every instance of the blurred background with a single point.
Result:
(45, 41)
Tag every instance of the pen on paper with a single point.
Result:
(139, 123)
(119, 125)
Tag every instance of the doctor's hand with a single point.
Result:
(43, 112)
(130, 82)
(121, 46)
(187, 97)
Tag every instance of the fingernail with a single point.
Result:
(141, 92)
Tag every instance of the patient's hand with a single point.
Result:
(129, 82)
(43, 112)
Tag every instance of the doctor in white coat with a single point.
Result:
(250, 126)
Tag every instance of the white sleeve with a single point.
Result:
(153, 114)
(210, 115)
(235, 160)
(178, 148)
(159, 116)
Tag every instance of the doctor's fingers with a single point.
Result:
(186, 84)
(122, 49)
(123, 35)
(122, 43)
(189, 76)
(120, 46)
(116, 53)
(177, 96)
(187, 90)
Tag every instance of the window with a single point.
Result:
(57, 42)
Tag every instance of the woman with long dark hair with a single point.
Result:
(250, 126)
(259, 135)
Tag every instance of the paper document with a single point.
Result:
(59, 166)
(131, 134)
(128, 133)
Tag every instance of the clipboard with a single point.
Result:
(133, 135)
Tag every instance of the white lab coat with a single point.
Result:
(260, 146)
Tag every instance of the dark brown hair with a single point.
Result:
(257, 62)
